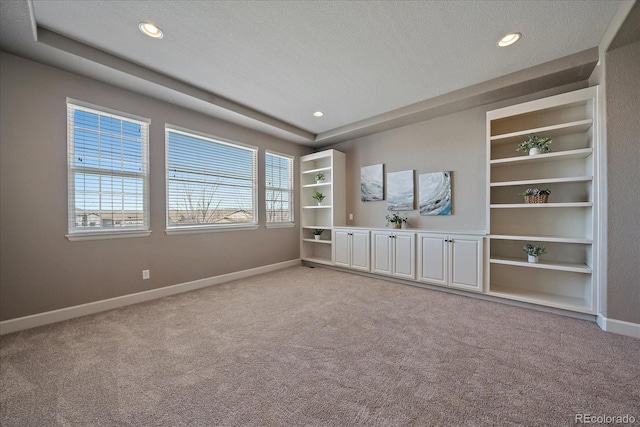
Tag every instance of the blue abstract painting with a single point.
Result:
(371, 184)
(400, 191)
(435, 193)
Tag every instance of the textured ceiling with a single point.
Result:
(351, 59)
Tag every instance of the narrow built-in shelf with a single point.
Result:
(547, 265)
(537, 297)
(317, 241)
(550, 239)
(311, 227)
(570, 179)
(580, 153)
(328, 168)
(316, 185)
(541, 205)
(317, 207)
(561, 129)
(318, 260)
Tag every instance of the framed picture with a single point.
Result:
(400, 191)
(371, 183)
(435, 193)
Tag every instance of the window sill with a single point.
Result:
(281, 225)
(193, 230)
(80, 237)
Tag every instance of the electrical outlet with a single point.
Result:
(351, 217)
(145, 274)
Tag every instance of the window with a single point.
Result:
(211, 184)
(278, 188)
(108, 172)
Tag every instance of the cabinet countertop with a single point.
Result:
(415, 230)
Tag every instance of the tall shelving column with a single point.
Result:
(330, 213)
(567, 225)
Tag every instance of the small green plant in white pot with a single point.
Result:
(317, 233)
(535, 145)
(396, 220)
(320, 178)
(533, 251)
(319, 197)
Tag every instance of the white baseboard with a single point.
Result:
(40, 319)
(618, 326)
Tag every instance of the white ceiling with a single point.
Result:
(271, 64)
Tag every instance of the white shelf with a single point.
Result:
(316, 185)
(547, 265)
(541, 205)
(580, 153)
(318, 260)
(543, 181)
(535, 297)
(555, 239)
(327, 215)
(328, 242)
(567, 224)
(325, 169)
(552, 131)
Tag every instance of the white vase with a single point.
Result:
(534, 151)
(533, 258)
(319, 203)
(319, 182)
(316, 236)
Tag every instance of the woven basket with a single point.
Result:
(542, 198)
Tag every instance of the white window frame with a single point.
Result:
(187, 229)
(290, 189)
(75, 234)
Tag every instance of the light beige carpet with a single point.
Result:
(313, 346)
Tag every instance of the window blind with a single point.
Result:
(210, 183)
(107, 170)
(278, 188)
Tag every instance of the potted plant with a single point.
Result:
(535, 195)
(317, 232)
(320, 178)
(533, 252)
(396, 220)
(319, 197)
(535, 145)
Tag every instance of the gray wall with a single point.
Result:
(40, 270)
(623, 182)
(455, 142)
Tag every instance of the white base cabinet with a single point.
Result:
(451, 260)
(394, 253)
(351, 249)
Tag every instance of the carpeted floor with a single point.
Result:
(313, 346)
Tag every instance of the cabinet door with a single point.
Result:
(466, 263)
(360, 250)
(381, 252)
(341, 248)
(404, 255)
(432, 253)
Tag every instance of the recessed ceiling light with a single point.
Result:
(509, 39)
(151, 30)
(318, 114)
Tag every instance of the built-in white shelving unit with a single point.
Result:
(566, 225)
(327, 215)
